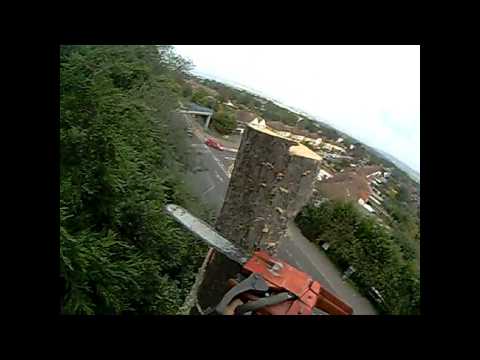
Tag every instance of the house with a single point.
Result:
(372, 198)
(322, 174)
(374, 174)
(297, 137)
(244, 117)
(279, 126)
(284, 133)
(375, 181)
(368, 171)
(366, 206)
(331, 147)
(260, 123)
(344, 186)
(377, 194)
(230, 104)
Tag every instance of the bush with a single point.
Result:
(199, 96)
(224, 122)
(187, 91)
(359, 241)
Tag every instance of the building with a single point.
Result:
(346, 186)
(230, 104)
(279, 126)
(284, 133)
(258, 122)
(331, 147)
(366, 206)
(298, 138)
(322, 174)
(244, 117)
(369, 171)
(374, 199)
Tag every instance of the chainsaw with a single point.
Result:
(266, 285)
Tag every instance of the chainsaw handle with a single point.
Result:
(253, 283)
(264, 302)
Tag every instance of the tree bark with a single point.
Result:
(271, 181)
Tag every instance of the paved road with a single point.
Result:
(208, 178)
(210, 183)
(308, 257)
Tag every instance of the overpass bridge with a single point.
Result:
(195, 109)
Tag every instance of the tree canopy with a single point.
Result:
(357, 240)
(224, 121)
(119, 166)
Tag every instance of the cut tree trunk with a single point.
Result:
(271, 181)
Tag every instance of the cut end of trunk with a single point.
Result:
(295, 150)
(303, 151)
(269, 131)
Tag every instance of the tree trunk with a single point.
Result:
(271, 181)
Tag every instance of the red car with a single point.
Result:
(212, 143)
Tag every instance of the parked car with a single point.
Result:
(214, 144)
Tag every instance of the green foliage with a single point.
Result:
(119, 166)
(359, 241)
(209, 102)
(187, 91)
(199, 96)
(310, 125)
(274, 112)
(224, 122)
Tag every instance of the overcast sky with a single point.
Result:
(369, 92)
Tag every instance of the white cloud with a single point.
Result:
(371, 92)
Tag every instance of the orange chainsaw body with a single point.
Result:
(281, 276)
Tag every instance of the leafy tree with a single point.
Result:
(359, 241)
(187, 91)
(199, 96)
(224, 122)
(119, 166)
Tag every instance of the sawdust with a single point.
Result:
(268, 131)
(303, 151)
(295, 150)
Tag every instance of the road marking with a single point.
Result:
(219, 163)
(229, 158)
(213, 155)
(219, 177)
(208, 190)
(231, 150)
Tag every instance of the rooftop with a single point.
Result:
(279, 126)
